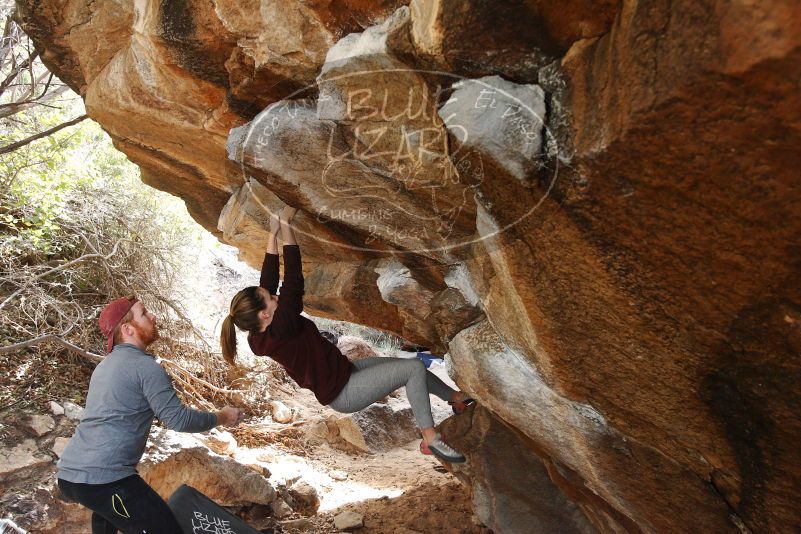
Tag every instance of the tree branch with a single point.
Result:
(190, 376)
(8, 40)
(17, 69)
(13, 146)
(55, 339)
(12, 108)
(189, 390)
(58, 268)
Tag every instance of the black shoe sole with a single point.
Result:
(447, 458)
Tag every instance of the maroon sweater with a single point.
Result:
(293, 340)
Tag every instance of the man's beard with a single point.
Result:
(147, 334)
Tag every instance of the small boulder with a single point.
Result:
(56, 408)
(303, 498)
(59, 444)
(221, 478)
(281, 509)
(281, 412)
(348, 521)
(350, 432)
(41, 424)
(378, 428)
(298, 524)
(338, 475)
(73, 411)
(221, 442)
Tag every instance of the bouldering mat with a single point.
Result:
(197, 514)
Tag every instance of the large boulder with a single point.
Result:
(220, 478)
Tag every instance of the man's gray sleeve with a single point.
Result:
(161, 397)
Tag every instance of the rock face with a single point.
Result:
(512, 489)
(594, 207)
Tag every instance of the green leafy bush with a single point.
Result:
(74, 205)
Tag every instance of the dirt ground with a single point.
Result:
(398, 492)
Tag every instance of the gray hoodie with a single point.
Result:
(128, 388)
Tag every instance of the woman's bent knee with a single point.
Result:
(417, 366)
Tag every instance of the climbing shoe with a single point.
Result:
(444, 452)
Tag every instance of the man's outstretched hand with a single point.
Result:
(230, 416)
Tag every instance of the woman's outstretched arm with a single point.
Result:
(292, 288)
(269, 269)
(290, 304)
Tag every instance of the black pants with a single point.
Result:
(128, 505)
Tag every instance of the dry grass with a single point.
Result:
(34, 377)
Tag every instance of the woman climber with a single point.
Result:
(277, 329)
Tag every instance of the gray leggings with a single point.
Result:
(374, 378)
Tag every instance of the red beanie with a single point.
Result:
(111, 316)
